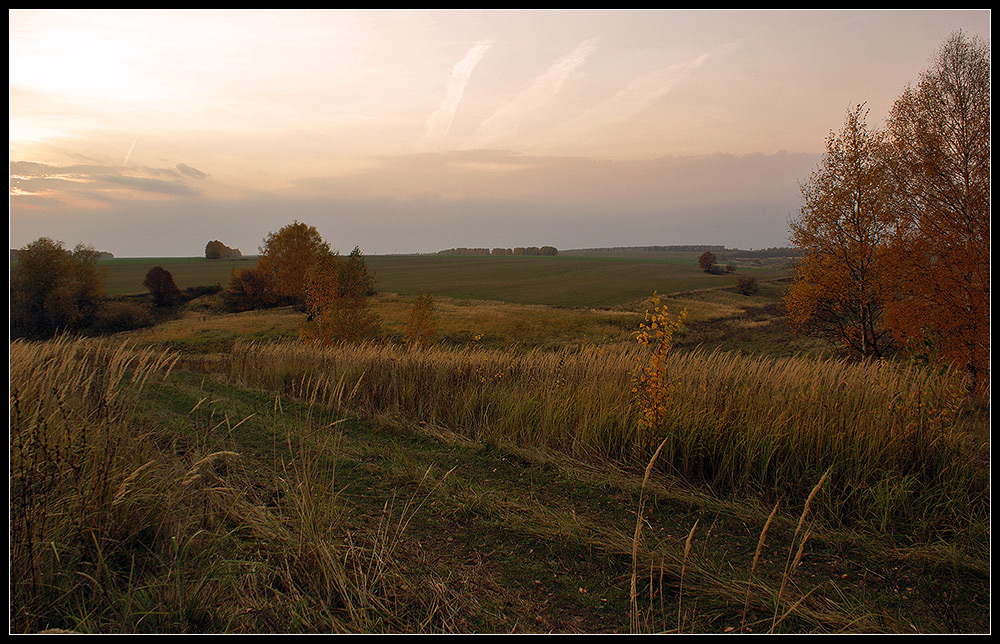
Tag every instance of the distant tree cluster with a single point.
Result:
(681, 248)
(767, 253)
(217, 250)
(895, 224)
(15, 254)
(526, 250)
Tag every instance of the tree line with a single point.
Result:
(525, 250)
(895, 224)
(55, 290)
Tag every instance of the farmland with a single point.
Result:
(554, 281)
(500, 480)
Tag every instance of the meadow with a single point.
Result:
(535, 469)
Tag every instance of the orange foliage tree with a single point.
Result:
(420, 326)
(287, 256)
(940, 133)
(336, 299)
(840, 287)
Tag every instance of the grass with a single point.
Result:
(214, 474)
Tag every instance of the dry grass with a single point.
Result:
(750, 426)
(118, 525)
(116, 521)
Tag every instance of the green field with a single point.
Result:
(553, 281)
(125, 274)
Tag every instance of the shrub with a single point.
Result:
(747, 285)
(248, 290)
(191, 292)
(115, 317)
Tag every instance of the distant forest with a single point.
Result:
(15, 253)
(760, 253)
(527, 250)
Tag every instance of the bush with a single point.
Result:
(161, 286)
(248, 290)
(115, 317)
(421, 326)
(747, 285)
(191, 292)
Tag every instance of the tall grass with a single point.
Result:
(78, 469)
(119, 523)
(891, 434)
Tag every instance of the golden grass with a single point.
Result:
(113, 525)
(745, 425)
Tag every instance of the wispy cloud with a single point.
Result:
(439, 122)
(541, 92)
(96, 184)
(642, 92)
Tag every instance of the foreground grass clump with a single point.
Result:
(900, 459)
(128, 514)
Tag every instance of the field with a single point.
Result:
(215, 474)
(553, 281)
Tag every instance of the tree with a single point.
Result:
(286, 257)
(420, 326)
(707, 261)
(940, 134)
(53, 289)
(248, 290)
(840, 286)
(161, 286)
(336, 300)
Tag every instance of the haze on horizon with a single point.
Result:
(152, 132)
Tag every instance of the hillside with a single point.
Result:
(237, 480)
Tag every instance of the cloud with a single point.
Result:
(545, 88)
(188, 171)
(144, 184)
(439, 122)
(641, 92)
(41, 184)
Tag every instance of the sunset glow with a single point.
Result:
(147, 133)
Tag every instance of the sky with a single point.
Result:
(149, 133)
